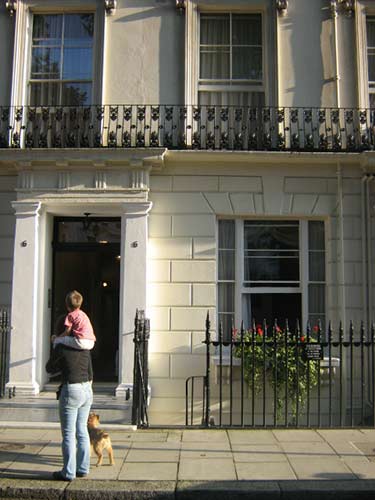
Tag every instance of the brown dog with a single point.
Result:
(99, 440)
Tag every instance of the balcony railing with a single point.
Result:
(188, 127)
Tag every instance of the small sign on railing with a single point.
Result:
(313, 352)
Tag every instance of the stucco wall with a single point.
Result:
(187, 200)
(144, 53)
(7, 222)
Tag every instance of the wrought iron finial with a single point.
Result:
(110, 6)
(180, 6)
(11, 6)
(282, 6)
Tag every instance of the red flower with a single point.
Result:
(259, 330)
(315, 329)
(234, 333)
(278, 329)
(302, 338)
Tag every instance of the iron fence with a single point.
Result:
(4, 348)
(273, 377)
(140, 370)
(204, 127)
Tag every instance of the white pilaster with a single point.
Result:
(23, 339)
(133, 284)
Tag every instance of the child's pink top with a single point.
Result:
(80, 324)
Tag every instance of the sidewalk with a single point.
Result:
(184, 464)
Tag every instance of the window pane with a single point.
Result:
(317, 266)
(90, 231)
(276, 306)
(226, 265)
(372, 100)
(271, 269)
(316, 235)
(227, 234)
(371, 67)
(247, 29)
(371, 32)
(267, 236)
(76, 94)
(232, 98)
(316, 299)
(226, 297)
(215, 63)
(44, 94)
(247, 63)
(214, 29)
(77, 64)
(79, 28)
(45, 63)
(226, 320)
(47, 29)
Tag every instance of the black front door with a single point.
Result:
(87, 259)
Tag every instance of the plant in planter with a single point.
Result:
(280, 357)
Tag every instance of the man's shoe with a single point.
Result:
(81, 474)
(58, 476)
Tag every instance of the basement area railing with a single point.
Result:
(240, 128)
(5, 329)
(140, 370)
(267, 376)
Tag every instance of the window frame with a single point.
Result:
(23, 45)
(60, 81)
(192, 47)
(364, 9)
(302, 288)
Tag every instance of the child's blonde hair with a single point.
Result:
(73, 300)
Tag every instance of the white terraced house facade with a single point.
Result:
(181, 157)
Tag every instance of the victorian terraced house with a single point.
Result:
(182, 157)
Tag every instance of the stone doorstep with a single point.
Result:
(84, 489)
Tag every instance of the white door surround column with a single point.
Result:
(23, 338)
(133, 285)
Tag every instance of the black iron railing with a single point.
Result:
(273, 377)
(140, 370)
(188, 127)
(4, 350)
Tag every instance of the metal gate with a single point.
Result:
(274, 377)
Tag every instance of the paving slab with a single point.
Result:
(258, 453)
(361, 467)
(228, 490)
(149, 436)
(345, 448)
(204, 436)
(190, 450)
(264, 471)
(143, 471)
(154, 452)
(314, 450)
(321, 469)
(253, 436)
(367, 448)
(292, 435)
(206, 469)
(331, 435)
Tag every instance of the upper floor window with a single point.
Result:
(61, 59)
(370, 24)
(231, 57)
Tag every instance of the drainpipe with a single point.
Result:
(334, 7)
(370, 178)
(341, 253)
(364, 250)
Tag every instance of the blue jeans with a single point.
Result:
(74, 405)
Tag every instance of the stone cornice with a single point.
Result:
(83, 159)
